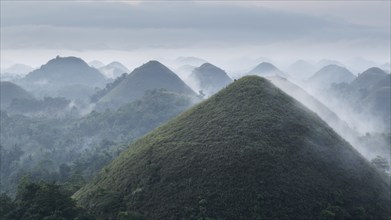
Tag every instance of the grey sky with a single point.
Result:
(282, 30)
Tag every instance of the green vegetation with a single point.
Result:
(368, 95)
(72, 149)
(41, 201)
(248, 152)
(150, 76)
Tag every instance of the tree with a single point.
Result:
(41, 201)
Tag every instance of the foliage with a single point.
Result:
(248, 152)
(72, 149)
(41, 201)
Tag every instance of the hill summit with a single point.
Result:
(149, 76)
(210, 78)
(10, 91)
(65, 71)
(331, 74)
(266, 69)
(248, 152)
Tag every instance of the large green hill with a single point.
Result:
(248, 152)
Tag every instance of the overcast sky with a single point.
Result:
(134, 31)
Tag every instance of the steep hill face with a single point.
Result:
(152, 75)
(209, 78)
(248, 152)
(266, 69)
(63, 71)
(313, 104)
(331, 74)
(10, 91)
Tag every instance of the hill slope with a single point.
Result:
(266, 69)
(313, 104)
(248, 152)
(331, 74)
(10, 91)
(368, 79)
(152, 75)
(63, 71)
(113, 70)
(369, 95)
(209, 78)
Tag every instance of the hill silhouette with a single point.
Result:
(331, 74)
(248, 152)
(313, 104)
(301, 69)
(209, 78)
(266, 69)
(152, 75)
(368, 78)
(369, 95)
(114, 69)
(20, 69)
(63, 71)
(10, 91)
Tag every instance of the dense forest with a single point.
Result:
(72, 148)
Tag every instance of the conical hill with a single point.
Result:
(149, 76)
(248, 152)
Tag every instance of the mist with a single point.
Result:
(195, 109)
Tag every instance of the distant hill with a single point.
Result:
(209, 78)
(10, 91)
(152, 75)
(313, 104)
(96, 64)
(326, 62)
(266, 69)
(301, 69)
(331, 74)
(193, 61)
(65, 71)
(375, 99)
(386, 67)
(18, 69)
(248, 152)
(114, 70)
(184, 71)
(359, 64)
(368, 78)
(369, 96)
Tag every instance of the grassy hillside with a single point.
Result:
(248, 152)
